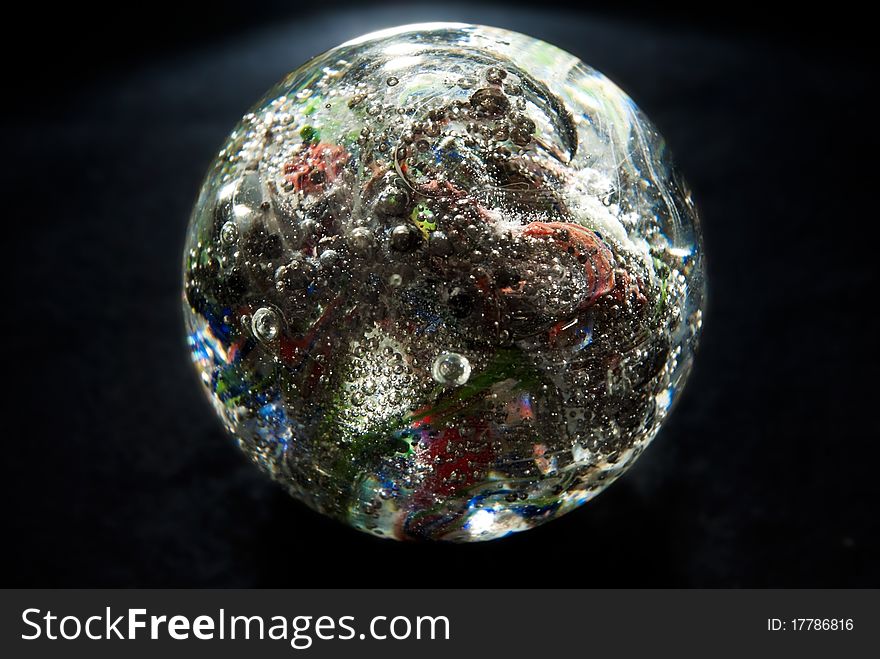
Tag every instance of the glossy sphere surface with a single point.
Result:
(442, 282)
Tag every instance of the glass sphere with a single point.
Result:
(443, 282)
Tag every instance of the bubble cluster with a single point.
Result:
(442, 282)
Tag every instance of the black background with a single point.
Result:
(115, 471)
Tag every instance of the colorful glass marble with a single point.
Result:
(443, 282)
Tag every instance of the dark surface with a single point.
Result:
(116, 472)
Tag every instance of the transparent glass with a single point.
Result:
(443, 282)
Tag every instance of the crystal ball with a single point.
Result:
(442, 282)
